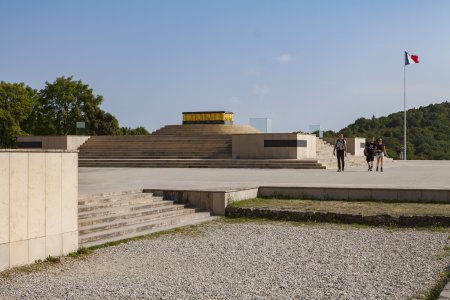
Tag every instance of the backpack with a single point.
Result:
(340, 145)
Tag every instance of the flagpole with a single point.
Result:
(404, 109)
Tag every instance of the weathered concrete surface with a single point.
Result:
(398, 174)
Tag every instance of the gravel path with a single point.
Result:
(248, 261)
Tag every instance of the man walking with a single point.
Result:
(369, 153)
(340, 150)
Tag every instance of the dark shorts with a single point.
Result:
(369, 157)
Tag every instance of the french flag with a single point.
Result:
(411, 59)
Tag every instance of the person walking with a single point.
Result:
(369, 152)
(380, 151)
(340, 150)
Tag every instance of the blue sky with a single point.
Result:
(297, 62)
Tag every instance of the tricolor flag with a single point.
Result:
(411, 59)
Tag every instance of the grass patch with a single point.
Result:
(38, 266)
(80, 253)
(349, 207)
(53, 259)
(435, 291)
(445, 253)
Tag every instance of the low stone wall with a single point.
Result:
(38, 205)
(368, 194)
(212, 201)
(273, 146)
(217, 201)
(315, 216)
(67, 142)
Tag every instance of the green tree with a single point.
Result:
(63, 103)
(130, 131)
(16, 103)
(103, 123)
(428, 131)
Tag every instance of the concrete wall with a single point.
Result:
(353, 145)
(69, 142)
(252, 146)
(212, 201)
(38, 205)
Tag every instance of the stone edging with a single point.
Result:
(315, 216)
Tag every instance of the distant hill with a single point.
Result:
(428, 131)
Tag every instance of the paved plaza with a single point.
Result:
(397, 174)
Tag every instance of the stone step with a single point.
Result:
(117, 203)
(157, 150)
(107, 194)
(138, 165)
(121, 209)
(94, 200)
(127, 221)
(203, 161)
(96, 238)
(192, 142)
(148, 154)
(182, 162)
(92, 158)
(113, 216)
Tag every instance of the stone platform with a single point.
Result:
(398, 174)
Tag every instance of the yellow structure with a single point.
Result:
(208, 117)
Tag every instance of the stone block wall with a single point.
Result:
(273, 146)
(38, 205)
(65, 142)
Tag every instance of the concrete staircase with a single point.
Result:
(179, 146)
(169, 142)
(205, 163)
(115, 216)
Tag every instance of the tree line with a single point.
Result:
(54, 110)
(428, 131)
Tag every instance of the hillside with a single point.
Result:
(428, 131)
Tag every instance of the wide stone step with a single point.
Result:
(117, 203)
(121, 209)
(127, 221)
(187, 144)
(96, 238)
(146, 162)
(128, 214)
(155, 153)
(93, 165)
(102, 199)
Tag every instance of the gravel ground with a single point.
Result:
(269, 260)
